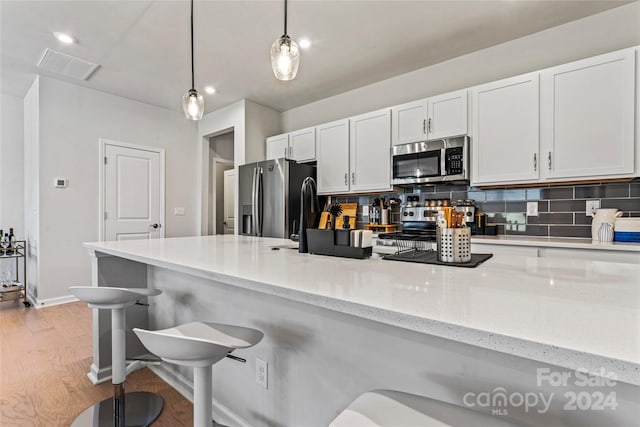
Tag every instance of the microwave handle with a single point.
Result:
(443, 162)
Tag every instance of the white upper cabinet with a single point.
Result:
(409, 122)
(370, 151)
(437, 117)
(587, 113)
(333, 157)
(302, 145)
(278, 147)
(505, 143)
(447, 115)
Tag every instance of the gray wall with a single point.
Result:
(71, 121)
(611, 30)
(320, 360)
(12, 164)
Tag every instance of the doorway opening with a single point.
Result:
(221, 194)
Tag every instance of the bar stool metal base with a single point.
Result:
(141, 409)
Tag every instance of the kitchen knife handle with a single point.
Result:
(535, 162)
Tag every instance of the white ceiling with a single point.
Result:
(143, 46)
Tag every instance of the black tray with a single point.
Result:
(431, 257)
(323, 242)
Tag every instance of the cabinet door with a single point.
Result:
(370, 151)
(302, 145)
(505, 128)
(447, 115)
(408, 122)
(333, 157)
(588, 117)
(278, 147)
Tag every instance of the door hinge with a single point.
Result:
(105, 160)
(105, 216)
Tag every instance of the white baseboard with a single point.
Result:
(221, 413)
(48, 302)
(99, 376)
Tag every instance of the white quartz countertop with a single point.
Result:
(556, 242)
(567, 312)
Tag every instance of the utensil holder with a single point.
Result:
(454, 244)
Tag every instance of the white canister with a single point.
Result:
(605, 234)
(602, 216)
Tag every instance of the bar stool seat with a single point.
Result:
(141, 407)
(388, 408)
(198, 345)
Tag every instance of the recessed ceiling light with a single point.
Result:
(210, 90)
(304, 43)
(65, 38)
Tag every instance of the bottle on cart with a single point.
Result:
(4, 244)
(12, 242)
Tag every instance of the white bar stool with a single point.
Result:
(141, 408)
(199, 345)
(388, 408)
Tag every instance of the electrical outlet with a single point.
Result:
(591, 207)
(262, 372)
(365, 210)
(532, 208)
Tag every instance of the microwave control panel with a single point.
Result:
(454, 161)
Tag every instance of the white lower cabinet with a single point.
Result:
(333, 157)
(587, 123)
(505, 143)
(370, 151)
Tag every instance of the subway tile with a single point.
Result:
(500, 229)
(602, 191)
(529, 230)
(634, 189)
(458, 195)
(556, 193)
(551, 218)
(570, 231)
(567, 205)
(520, 194)
(579, 218)
(476, 195)
(493, 206)
(543, 206)
(632, 204)
(496, 218)
(516, 207)
(534, 193)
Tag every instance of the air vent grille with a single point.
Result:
(66, 65)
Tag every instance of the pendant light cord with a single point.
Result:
(285, 18)
(193, 85)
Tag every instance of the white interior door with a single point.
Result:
(229, 197)
(132, 193)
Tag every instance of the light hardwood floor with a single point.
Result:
(45, 355)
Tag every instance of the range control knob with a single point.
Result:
(410, 213)
(405, 213)
(468, 213)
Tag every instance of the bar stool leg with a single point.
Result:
(202, 396)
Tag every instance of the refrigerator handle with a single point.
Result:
(260, 197)
(254, 201)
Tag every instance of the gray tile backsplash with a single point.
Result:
(561, 208)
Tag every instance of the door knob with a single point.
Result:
(155, 225)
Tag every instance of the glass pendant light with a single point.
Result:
(285, 54)
(192, 101)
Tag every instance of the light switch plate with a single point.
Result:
(178, 211)
(591, 206)
(532, 208)
(365, 210)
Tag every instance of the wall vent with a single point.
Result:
(66, 65)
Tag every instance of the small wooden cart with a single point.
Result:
(17, 290)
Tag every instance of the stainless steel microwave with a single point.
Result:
(431, 161)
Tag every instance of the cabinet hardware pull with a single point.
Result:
(353, 178)
(346, 178)
(535, 162)
(424, 126)
(291, 152)
(429, 127)
(549, 160)
(285, 152)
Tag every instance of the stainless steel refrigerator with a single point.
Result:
(269, 197)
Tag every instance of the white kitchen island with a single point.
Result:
(335, 328)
